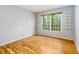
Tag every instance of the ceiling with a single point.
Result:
(40, 8)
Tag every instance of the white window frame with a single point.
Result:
(50, 24)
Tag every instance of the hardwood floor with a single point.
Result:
(39, 45)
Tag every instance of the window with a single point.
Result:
(52, 22)
(46, 22)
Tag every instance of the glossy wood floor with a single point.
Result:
(39, 45)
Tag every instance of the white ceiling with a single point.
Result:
(40, 8)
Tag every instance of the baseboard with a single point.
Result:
(34, 35)
(55, 37)
(25, 37)
(76, 46)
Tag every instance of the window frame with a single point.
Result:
(50, 22)
(42, 24)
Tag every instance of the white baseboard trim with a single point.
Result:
(56, 37)
(76, 46)
(16, 40)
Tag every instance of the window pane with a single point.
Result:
(46, 22)
(55, 22)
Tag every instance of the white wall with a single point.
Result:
(67, 23)
(15, 23)
(77, 26)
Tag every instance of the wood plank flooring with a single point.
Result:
(39, 45)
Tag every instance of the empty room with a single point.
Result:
(39, 29)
